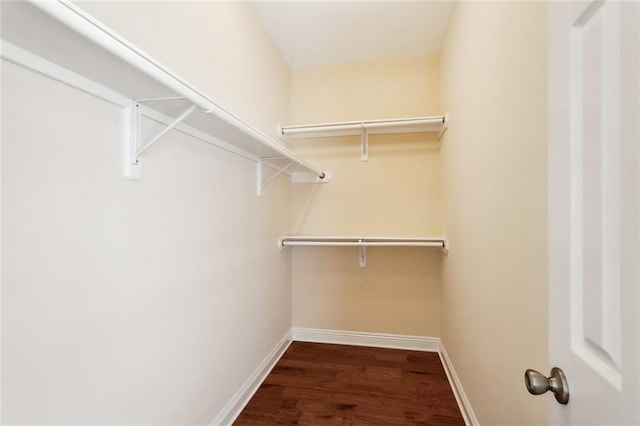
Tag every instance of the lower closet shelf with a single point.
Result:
(363, 242)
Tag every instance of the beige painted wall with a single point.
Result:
(395, 193)
(494, 311)
(132, 302)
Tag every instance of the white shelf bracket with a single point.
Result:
(362, 255)
(164, 131)
(364, 144)
(132, 165)
(136, 148)
(260, 184)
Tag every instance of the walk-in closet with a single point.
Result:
(185, 194)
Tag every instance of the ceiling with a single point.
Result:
(321, 32)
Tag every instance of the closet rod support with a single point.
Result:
(165, 130)
(260, 184)
(364, 144)
(362, 255)
(445, 247)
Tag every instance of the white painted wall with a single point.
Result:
(494, 289)
(150, 301)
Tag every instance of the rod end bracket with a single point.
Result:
(310, 177)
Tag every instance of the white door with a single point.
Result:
(594, 214)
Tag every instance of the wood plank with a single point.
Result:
(325, 384)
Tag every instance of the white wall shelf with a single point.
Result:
(61, 41)
(364, 128)
(363, 242)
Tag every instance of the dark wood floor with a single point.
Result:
(321, 384)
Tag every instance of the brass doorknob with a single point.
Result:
(537, 384)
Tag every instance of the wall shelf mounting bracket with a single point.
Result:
(136, 148)
(364, 144)
(260, 183)
(362, 255)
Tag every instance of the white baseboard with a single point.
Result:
(379, 340)
(461, 397)
(241, 398)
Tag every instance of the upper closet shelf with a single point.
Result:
(363, 242)
(61, 41)
(365, 128)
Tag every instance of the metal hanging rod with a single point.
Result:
(437, 244)
(363, 241)
(400, 125)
